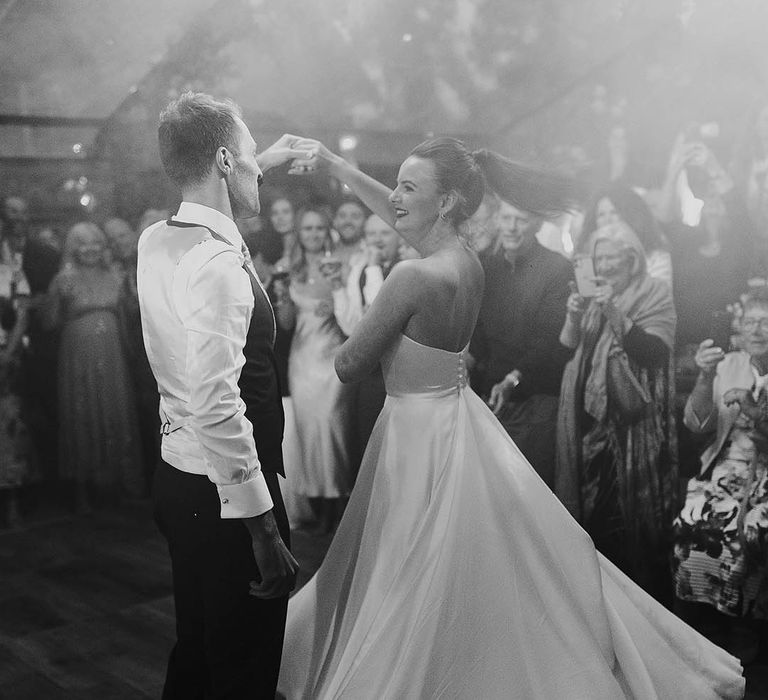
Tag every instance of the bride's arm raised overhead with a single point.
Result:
(396, 302)
(373, 194)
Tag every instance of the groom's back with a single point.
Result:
(170, 259)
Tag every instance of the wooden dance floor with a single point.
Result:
(86, 611)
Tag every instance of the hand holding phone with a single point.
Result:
(586, 280)
(720, 329)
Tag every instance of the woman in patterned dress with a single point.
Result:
(721, 534)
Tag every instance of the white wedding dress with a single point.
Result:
(456, 573)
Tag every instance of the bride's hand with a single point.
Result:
(320, 156)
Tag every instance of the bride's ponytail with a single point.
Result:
(467, 173)
(531, 189)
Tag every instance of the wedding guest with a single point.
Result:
(281, 219)
(14, 440)
(37, 254)
(123, 241)
(517, 361)
(348, 222)
(321, 402)
(350, 302)
(382, 252)
(266, 248)
(711, 258)
(619, 202)
(721, 534)
(616, 469)
(484, 228)
(98, 424)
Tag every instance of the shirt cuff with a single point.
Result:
(246, 500)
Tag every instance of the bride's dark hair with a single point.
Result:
(541, 192)
(537, 191)
(455, 169)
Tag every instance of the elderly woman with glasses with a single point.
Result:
(721, 534)
(616, 470)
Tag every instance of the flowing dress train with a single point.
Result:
(456, 573)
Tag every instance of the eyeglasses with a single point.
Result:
(749, 324)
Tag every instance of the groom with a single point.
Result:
(208, 329)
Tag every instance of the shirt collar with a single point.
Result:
(193, 213)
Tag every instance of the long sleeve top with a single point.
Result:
(196, 302)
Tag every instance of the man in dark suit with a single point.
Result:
(519, 359)
(209, 331)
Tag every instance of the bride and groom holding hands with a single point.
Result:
(455, 572)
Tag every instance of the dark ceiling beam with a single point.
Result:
(40, 121)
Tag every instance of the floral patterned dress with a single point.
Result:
(721, 535)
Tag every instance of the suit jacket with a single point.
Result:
(519, 324)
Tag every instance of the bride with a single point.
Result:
(455, 572)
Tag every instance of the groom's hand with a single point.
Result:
(285, 149)
(276, 564)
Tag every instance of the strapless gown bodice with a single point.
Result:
(411, 368)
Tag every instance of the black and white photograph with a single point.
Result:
(383, 350)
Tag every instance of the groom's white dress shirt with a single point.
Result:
(196, 303)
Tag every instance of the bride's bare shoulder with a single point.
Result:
(438, 270)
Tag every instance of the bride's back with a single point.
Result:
(447, 299)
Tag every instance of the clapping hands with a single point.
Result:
(743, 399)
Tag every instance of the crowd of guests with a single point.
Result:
(638, 392)
(78, 402)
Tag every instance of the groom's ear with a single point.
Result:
(224, 161)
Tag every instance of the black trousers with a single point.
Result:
(228, 643)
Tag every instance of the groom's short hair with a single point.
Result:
(192, 128)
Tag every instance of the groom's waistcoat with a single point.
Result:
(259, 383)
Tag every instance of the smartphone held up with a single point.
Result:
(586, 280)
